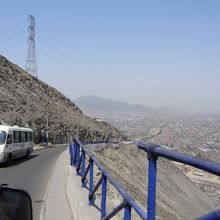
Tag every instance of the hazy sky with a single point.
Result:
(157, 53)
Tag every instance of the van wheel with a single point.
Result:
(9, 159)
(27, 153)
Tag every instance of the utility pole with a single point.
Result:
(31, 62)
(47, 128)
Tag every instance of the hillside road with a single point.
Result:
(32, 174)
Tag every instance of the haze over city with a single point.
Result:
(161, 53)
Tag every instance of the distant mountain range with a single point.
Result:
(105, 108)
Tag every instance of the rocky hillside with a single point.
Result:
(24, 99)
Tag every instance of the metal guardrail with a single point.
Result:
(155, 151)
(78, 155)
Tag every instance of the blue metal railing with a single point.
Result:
(78, 154)
(155, 151)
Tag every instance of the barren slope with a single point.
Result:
(177, 196)
(24, 99)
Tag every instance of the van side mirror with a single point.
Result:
(15, 204)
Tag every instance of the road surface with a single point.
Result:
(32, 174)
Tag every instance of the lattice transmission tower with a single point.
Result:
(31, 62)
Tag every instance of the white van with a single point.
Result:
(15, 142)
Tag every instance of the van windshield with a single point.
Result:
(2, 137)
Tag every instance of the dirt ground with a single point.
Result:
(177, 196)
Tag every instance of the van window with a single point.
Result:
(2, 137)
(28, 136)
(22, 136)
(9, 139)
(16, 136)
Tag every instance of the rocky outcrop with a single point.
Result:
(24, 100)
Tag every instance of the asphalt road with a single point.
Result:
(32, 174)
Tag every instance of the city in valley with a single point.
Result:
(195, 135)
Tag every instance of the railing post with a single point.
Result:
(152, 172)
(71, 153)
(77, 157)
(83, 166)
(127, 212)
(104, 195)
(74, 153)
(90, 180)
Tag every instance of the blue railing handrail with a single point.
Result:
(123, 193)
(215, 215)
(159, 151)
(154, 151)
(78, 154)
(127, 203)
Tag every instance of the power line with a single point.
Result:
(11, 27)
(64, 65)
(91, 77)
(12, 46)
(135, 87)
